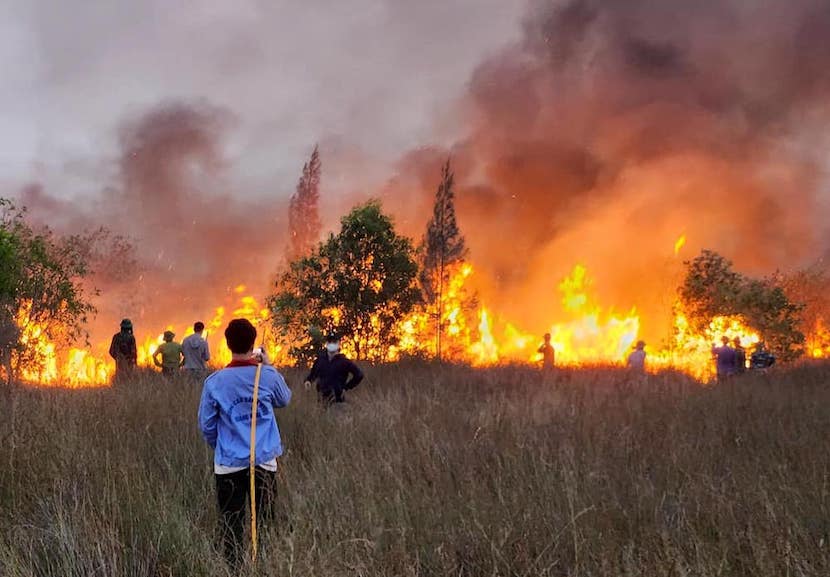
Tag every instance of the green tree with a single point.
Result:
(303, 212)
(712, 288)
(442, 247)
(358, 284)
(40, 286)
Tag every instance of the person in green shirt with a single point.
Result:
(170, 353)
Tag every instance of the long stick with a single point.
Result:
(253, 462)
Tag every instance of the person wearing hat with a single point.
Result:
(636, 361)
(124, 350)
(333, 372)
(725, 360)
(170, 353)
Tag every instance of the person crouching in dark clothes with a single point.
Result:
(334, 373)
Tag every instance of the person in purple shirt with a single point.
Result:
(725, 360)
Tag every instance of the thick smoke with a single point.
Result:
(610, 129)
(198, 236)
(195, 238)
(616, 126)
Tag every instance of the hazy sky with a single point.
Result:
(372, 76)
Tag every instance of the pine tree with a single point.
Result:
(442, 246)
(303, 214)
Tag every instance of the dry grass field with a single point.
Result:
(436, 470)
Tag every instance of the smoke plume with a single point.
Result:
(610, 129)
(614, 127)
(195, 238)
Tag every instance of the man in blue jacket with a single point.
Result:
(225, 422)
(334, 373)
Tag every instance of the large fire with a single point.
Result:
(246, 306)
(471, 332)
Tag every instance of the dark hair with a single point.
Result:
(547, 336)
(241, 336)
(198, 326)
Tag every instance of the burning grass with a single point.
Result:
(590, 334)
(437, 470)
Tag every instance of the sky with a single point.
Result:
(367, 78)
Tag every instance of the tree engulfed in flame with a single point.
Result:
(691, 352)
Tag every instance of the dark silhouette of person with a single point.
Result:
(123, 349)
(761, 359)
(548, 353)
(725, 360)
(740, 356)
(636, 361)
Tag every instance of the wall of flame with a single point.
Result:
(587, 333)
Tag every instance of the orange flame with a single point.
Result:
(77, 367)
(587, 334)
(679, 244)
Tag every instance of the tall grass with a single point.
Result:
(436, 470)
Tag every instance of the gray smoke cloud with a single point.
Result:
(614, 127)
(184, 126)
(601, 134)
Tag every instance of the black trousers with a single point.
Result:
(232, 495)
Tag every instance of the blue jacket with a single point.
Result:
(225, 414)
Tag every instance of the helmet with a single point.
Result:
(126, 324)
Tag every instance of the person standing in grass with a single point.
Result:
(725, 360)
(195, 350)
(123, 349)
(225, 421)
(636, 361)
(170, 354)
(333, 372)
(548, 353)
